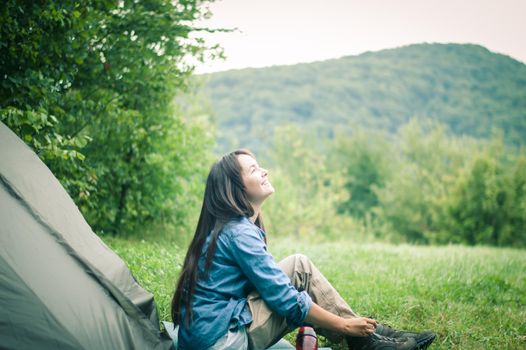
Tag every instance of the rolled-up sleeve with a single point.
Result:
(274, 286)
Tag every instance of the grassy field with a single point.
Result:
(472, 297)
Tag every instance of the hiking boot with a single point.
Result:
(423, 339)
(379, 342)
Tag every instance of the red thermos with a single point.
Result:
(306, 339)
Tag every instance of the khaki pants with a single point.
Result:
(268, 327)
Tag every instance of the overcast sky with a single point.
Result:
(290, 31)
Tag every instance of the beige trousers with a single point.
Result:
(268, 327)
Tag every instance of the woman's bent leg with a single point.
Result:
(268, 327)
(305, 276)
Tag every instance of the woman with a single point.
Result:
(231, 294)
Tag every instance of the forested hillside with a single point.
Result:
(466, 87)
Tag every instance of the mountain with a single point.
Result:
(464, 86)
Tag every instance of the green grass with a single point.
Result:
(472, 297)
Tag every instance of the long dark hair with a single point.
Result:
(225, 198)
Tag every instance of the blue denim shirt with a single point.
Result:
(241, 263)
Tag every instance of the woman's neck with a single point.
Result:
(256, 208)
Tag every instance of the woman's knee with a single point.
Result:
(302, 263)
(295, 263)
(295, 259)
(302, 258)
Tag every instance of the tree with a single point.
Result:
(513, 233)
(89, 85)
(364, 156)
(487, 203)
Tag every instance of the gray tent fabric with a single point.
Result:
(61, 287)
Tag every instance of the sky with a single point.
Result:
(277, 32)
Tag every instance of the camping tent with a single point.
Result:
(61, 287)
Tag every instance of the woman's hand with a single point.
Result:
(358, 326)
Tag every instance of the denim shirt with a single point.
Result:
(241, 264)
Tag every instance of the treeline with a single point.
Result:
(421, 185)
(89, 86)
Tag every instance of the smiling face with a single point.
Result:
(255, 179)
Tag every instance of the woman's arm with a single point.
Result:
(274, 286)
(357, 326)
